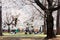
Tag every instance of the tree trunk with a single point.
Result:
(8, 28)
(49, 20)
(58, 20)
(15, 22)
(0, 21)
(50, 23)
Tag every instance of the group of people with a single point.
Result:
(28, 30)
(32, 30)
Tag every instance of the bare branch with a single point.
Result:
(32, 3)
(54, 9)
(39, 11)
(40, 5)
(50, 2)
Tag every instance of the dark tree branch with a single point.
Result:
(54, 9)
(40, 5)
(50, 2)
(38, 10)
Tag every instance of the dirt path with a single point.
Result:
(23, 38)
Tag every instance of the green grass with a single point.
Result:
(23, 35)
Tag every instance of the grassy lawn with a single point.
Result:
(23, 35)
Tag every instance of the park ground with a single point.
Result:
(22, 36)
